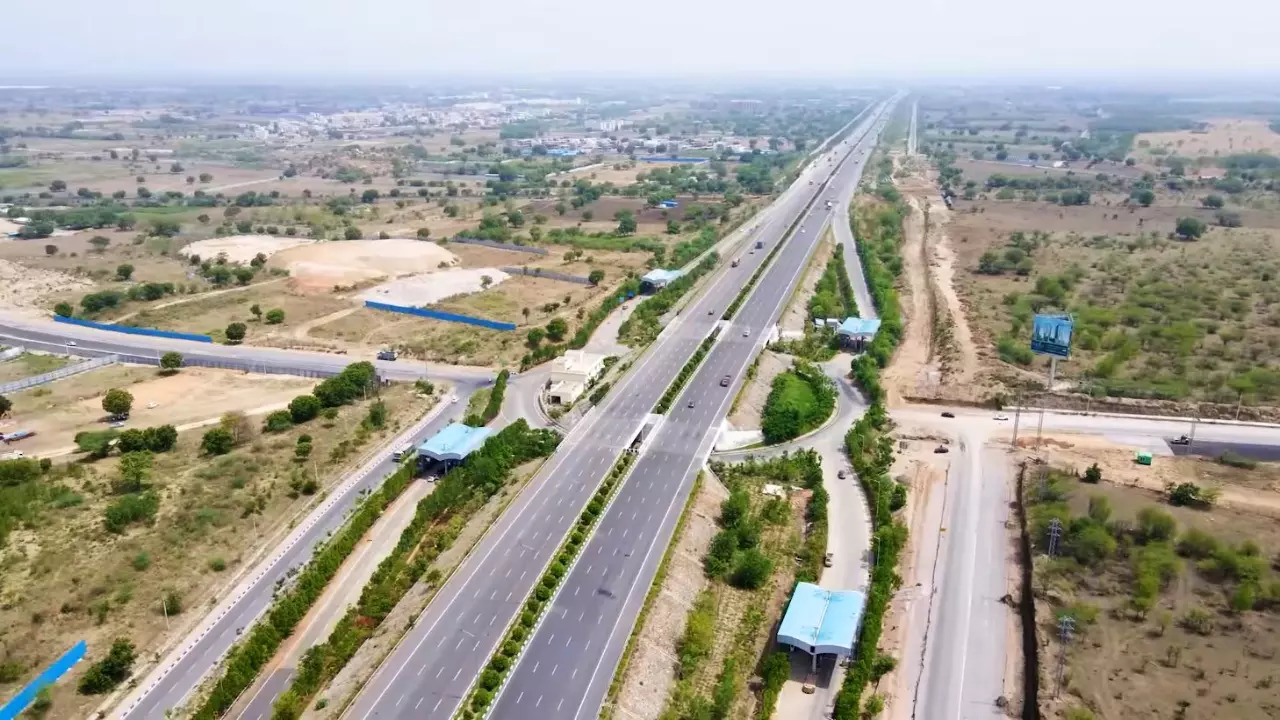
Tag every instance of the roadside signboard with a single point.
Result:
(1051, 335)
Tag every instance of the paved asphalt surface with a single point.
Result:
(431, 670)
(48, 336)
(173, 680)
(569, 662)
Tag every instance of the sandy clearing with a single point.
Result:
(8, 226)
(428, 288)
(343, 262)
(243, 248)
(24, 287)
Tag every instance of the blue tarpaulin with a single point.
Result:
(27, 695)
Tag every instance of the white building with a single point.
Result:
(572, 374)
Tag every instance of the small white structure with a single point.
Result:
(571, 375)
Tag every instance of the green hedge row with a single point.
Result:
(494, 405)
(868, 444)
(643, 325)
(686, 372)
(799, 400)
(248, 657)
(438, 520)
(580, 338)
(505, 657)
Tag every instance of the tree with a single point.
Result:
(275, 316)
(561, 208)
(124, 271)
(203, 218)
(117, 401)
(99, 242)
(58, 186)
(626, 222)
(1093, 474)
(191, 180)
(235, 332)
(424, 233)
(5, 405)
(352, 233)
(1189, 228)
(556, 329)
(588, 216)
(1144, 196)
(485, 282)
(171, 361)
(595, 276)
(50, 249)
(206, 177)
(535, 336)
(1213, 201)
(369, 196)
(110, 671)
(64, 309)
(304, 408)
(217, 441)
(135, 469)
(256, 311)
(160, 438)
(237, 425)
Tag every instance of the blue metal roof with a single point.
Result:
(822, 621)
(859, 326)
(454, 442)
(660, 276)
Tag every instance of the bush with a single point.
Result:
(218, 441)
(1092, 474)
(104, 675)
(235, 332)
(130, 509)
(304, 408)
(278, 421)
(800, 400)
(752, 570)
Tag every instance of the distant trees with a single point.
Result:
(1144, 196)
(104, 675)
(626, 221)
(58, 186)
(1213, 201)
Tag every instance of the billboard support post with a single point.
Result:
(1053, 371)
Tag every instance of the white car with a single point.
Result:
(1001, 417)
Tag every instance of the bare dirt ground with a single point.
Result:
(910, 372)
(749, 407)
(432, 287)
(243, 248)
(649, 675)
(1224, 136)
(24, 288)
(59, 410)
(321, 266)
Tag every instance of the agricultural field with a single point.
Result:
(1173, 607)
(123, 541)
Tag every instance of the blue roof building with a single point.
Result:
(658, 278)
(859, 328)
(822, 622)
(454, 443)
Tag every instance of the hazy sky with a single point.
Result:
(406, 39)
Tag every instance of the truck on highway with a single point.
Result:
(16, 435)
(387, 354)
(404, 453)
(830, 204)
(734, 263)
(759, 244)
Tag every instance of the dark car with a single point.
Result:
(690, 403)
(941, 449)
(948, 414)
(724, 381)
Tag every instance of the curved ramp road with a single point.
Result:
(430, 671)
(569, 662)
(170, 683)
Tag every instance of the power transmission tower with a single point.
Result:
(1055, 533)
(1066, 626)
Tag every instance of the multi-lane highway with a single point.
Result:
(429, 673)
(570, 660)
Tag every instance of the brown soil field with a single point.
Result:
(1190, 655)
(67, 578)
(1224, 136)
(210, 314)
(59, 410)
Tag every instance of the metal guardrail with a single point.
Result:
(58, 374)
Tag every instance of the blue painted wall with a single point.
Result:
(51, 674)
(133, 330)
(440, 315)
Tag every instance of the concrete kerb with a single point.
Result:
(242, 588)
(551, 601)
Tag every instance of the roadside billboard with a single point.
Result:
(1051, 335)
